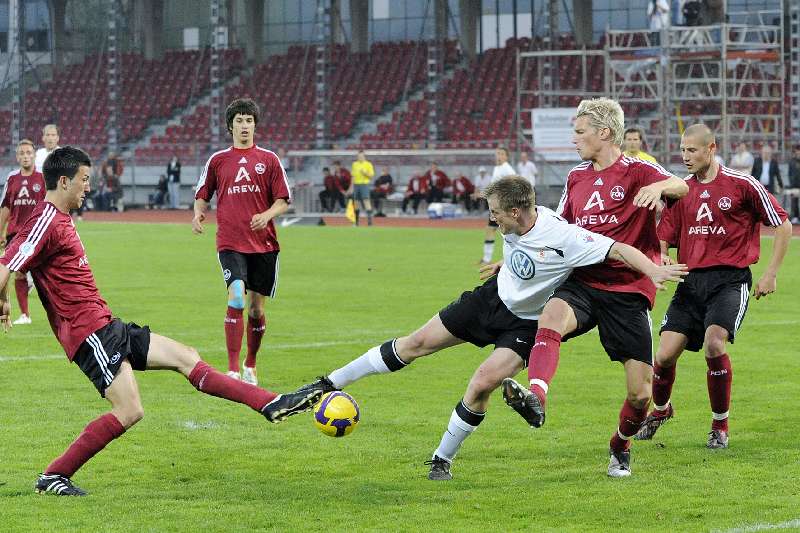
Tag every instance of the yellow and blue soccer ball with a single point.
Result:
(336, 414)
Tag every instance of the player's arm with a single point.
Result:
(5, 305)
(5, 213)
(639, 262)
(649, 195)
(200, 208)
(769, 280)
(260, 220)
(489, 270)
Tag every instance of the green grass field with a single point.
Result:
(202, 464)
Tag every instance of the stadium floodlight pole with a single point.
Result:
(218, 43)
(112, 71)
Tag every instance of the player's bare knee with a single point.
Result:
(129, 415)
(714, 343)
(639, 399)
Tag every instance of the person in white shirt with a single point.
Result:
(658, 14)
(540, 249)
(502, 169)
(527, 168)
(481, 180)
(50, 138)
(742, 160)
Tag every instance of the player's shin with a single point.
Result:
(463, 421)
(543, 361)
(377, 360)
(210, 381)
(234, 330)
(95, 436)
(663, 379)
(719, 379)
(256, 327)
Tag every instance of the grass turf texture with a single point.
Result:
(197, 461)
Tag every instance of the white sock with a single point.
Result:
(458, 430)
(488, 251)
(366, 365)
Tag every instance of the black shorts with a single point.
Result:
(258, 271)
(709, 296)
(101, 354)
(481, 318)
(622, 319)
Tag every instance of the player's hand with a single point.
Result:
(490, 269)
(766, 285)
(259, 222)
(197, 223)
(648, 196)
(5, 315)
(665, 273)
(666, 260)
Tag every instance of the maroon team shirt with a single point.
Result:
(49, 248)
(247, 182)
(602, 201)
(20, 195)
(717, 223)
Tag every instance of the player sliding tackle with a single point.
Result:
(106, 349)
(539, 251)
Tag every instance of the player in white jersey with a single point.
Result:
(501, 170)
(540, 249)
(50, 138)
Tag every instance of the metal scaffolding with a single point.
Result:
(112, 72)
(323, 28)
(15, 68)
(219, 42)
(794, 71)
(436, 51)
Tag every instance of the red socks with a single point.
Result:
(94, 438)
(663, 379)
(21, 288)
(210, 381)
(234, 329)
(255, 332)
(630, 419)
(719, 379)
(543, 361)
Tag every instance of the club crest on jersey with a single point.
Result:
(26, 248)
(724, 203)
(522, 265)
(617, 193)
(37, 187)
(260, 168)
(705, 195)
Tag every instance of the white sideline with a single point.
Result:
(791, 524)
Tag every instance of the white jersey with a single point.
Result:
(535, 264)
(503, 171)
(528, 171)
(41, 155)
(481, 182)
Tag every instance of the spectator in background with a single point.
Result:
(342, 175)
(383, 187)
(793, 190)
(742, 160)
(439, 182)
(463, 189)
(332, 192)
(157, 199)
(658, 14)
(527, 168)
(765, 170)
(480, 182)
(632, 145)
(50, 138)
(417, 190)
(362, 171)
(174, 182)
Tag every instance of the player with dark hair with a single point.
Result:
(633, 140)
(615, 196)
(716, 231)
(23, 190)
(539, 251)
(106, 349)
(252, 189)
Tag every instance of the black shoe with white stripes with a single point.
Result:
(286, 405)
(58, 485)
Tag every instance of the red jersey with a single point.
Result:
(438, 180)
(49, 248)
(602, 201)
(418, 185)
(20, 195)
(344, 177)
(717, 223)
(462, 185)
(247, 182)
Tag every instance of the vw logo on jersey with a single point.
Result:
(260, 168)
(724, 203)
(522, 265)
(617, 193)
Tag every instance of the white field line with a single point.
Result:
(791, 524)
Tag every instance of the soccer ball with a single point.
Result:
(336, 414)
